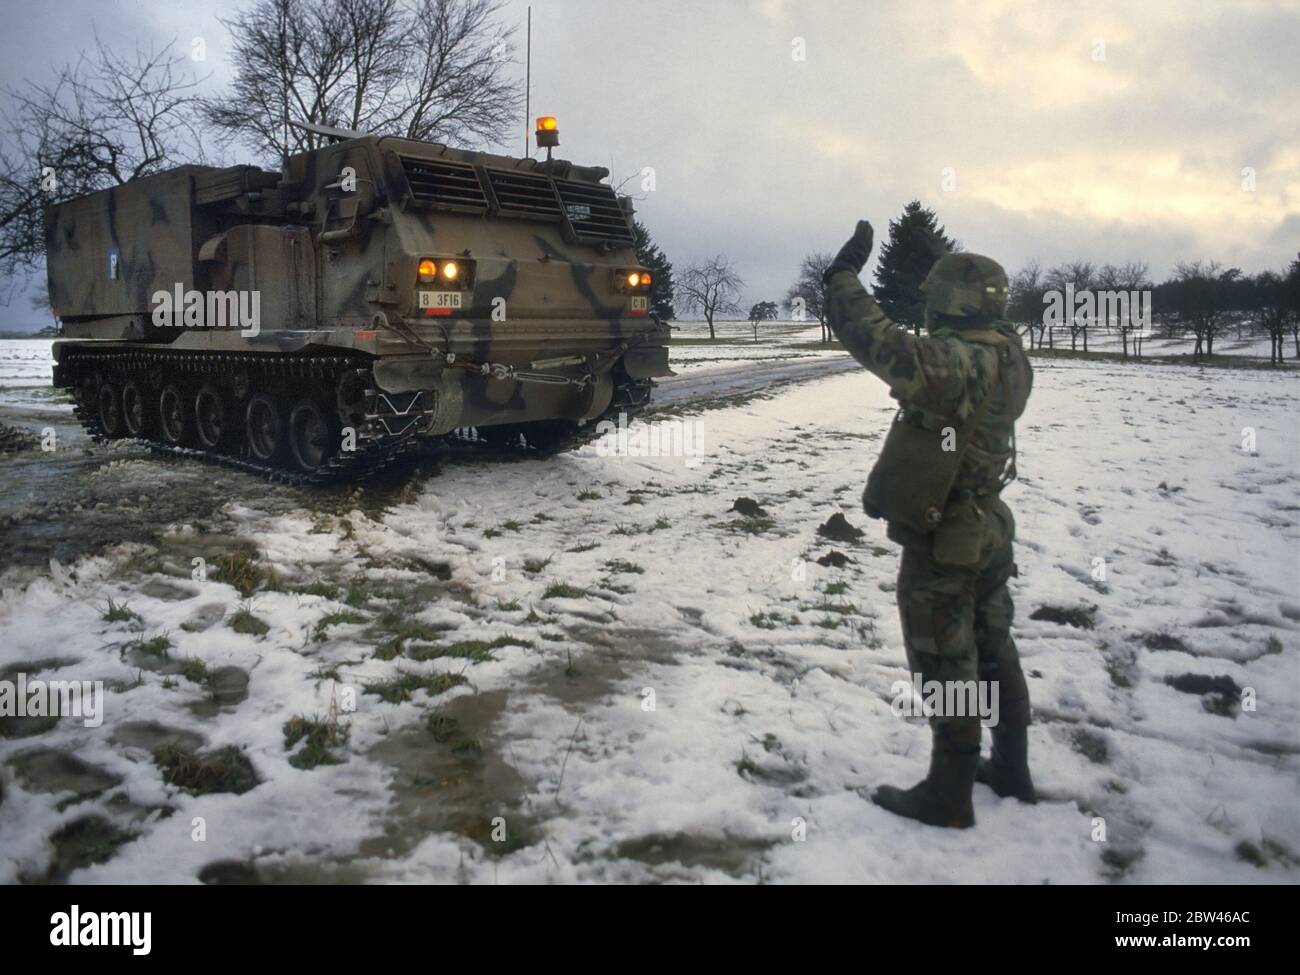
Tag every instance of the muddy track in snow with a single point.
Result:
(84, 497)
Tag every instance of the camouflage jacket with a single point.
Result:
(939, 379)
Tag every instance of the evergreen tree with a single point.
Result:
(915, 242)
(650, 256)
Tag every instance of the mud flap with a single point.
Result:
(647, 362)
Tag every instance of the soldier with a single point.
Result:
(937, 482)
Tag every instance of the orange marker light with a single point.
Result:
(645, 279)
(547, 123)
(428, 269)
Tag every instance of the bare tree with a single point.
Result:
(1081, 275)
(808, 293)
(104, 120)
(1200, 296)
(711, 287)
(434, 70)
(1291, 298)
(1271, 309)
(1132, 278)
(1025, 301)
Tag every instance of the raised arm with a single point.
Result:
(929, 373)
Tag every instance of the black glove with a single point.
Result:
(853, 255)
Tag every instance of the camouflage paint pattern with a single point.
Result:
(332, 246)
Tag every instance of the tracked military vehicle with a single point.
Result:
(311, 324)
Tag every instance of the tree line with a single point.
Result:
(1201, 299)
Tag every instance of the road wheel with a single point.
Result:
(137, 412)
(264, 428)
(210, 418)
(313, 437)
(110, 409)
(175, 417)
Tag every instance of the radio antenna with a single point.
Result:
(528, 77)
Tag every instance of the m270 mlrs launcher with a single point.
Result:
(312, 323)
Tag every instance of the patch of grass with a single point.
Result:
(836, 588)
(153, 647)
(1090, 745)
(122, 686)
(1274, 645)
(508, 605)
(400, 688)
(194, 669)
(342, 617)
(245, 622)
(475, 650)
(511, 526)
(1164, 641)
(584, 547)
(86, 841)
(357, 596)
(321, 587)
(118, 613)
(622, 565)
(225, 770)
(319, 737)
(589, 495)
(439, 570)
(442, 726)
(390, 648)
(541, 517)
(534, 566)
(1080, 617)
(1118, 675)
(467, 749)
(562, 590)
(772, 620)
(243, 571)
(1120, 860)
(826, 606)
(750, 526)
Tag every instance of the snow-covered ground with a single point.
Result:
(613, 676)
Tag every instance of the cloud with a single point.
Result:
(1057, 153)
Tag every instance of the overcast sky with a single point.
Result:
(1107, 131)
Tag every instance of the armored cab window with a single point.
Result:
(594, 213)
(527, 195)
(443, 184)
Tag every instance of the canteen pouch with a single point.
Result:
(960, 536)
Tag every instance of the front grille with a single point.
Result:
(448, 185)
(524, 195)
(594, 212)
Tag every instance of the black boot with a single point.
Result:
(942, 798)
(1007, 773)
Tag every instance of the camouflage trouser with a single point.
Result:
(957, 623)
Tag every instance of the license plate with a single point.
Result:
(440, 299)
(640, 306)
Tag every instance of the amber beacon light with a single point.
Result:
(548, 132)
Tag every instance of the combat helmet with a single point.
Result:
(965, 286)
